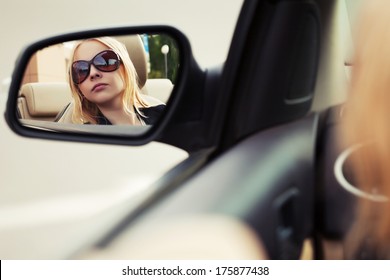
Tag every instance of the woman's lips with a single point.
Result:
(98, 87)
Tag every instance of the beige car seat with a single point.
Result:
(160, 89)
(43, 101)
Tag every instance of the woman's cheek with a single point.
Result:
(82, 91)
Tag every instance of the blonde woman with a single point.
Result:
(367, 122)
(104, 85)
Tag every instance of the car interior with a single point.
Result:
(261, 134)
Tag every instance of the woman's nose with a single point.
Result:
(94, 73)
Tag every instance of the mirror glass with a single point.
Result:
(118, 85)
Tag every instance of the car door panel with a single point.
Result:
(266, 182)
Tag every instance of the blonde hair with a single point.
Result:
(367, 116)
(85, 111)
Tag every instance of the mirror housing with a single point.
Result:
(103, 134)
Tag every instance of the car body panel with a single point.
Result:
(275, 204)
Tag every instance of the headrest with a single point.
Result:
(45, 99)
(136, 51)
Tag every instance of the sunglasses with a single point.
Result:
(105, 61)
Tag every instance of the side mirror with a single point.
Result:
(116, 85)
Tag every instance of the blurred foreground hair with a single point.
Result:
(367, 116)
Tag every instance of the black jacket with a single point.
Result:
(151, 115)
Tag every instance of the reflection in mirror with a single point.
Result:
(124, 81)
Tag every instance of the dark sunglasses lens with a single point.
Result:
(80, 71)
(106, 61)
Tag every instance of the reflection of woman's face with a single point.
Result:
(101, 88)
